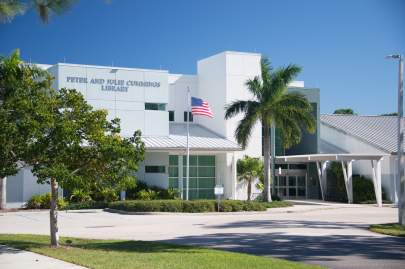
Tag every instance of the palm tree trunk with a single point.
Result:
(3, 192)
(249, 189)
(54, 214)
(273, 158)
(266, 152)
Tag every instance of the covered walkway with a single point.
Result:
(346, 160)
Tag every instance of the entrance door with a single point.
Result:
(291, 186)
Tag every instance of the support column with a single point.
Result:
(319, 170)
(325, 177)
(347, 173)
(379, 187)
(376, 167)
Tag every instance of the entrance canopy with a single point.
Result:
(322, 160)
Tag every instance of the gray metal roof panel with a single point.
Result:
(200, 138)
(379, 131)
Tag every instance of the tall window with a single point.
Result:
(171, 115)
(155, 106)
(173, 171)
(190, 116)
(201, 177)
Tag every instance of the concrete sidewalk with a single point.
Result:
(11, 258)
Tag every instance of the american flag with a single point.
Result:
(200, 107)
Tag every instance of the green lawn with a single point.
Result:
(141, 254)
(389, 228)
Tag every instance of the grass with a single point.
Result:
(389, 228)
(100, 254)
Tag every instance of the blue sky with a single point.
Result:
(340, 44)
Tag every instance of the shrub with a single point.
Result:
(363, 190)
(86, 205)
(146, 194)
(43, 201)
(199, 206)
(105, 195)
(195, 206)
(79, 196)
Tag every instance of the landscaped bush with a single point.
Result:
(43, 201)
(195, 206)
(363, 188)
(79, 196)
(142, 191)
(86, 205)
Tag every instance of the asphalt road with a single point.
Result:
(332, 235)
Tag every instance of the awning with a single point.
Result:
(200, 139)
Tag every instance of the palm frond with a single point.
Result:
(245, 126)
(238, 106)
(45, 8)
(10, 8)
(255, 87)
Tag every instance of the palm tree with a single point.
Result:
(249, 169)
(272, 105)
(11, 8)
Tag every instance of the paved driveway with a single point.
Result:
(333, 235)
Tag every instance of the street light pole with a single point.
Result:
(400, 146)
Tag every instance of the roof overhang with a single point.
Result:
(327, 157)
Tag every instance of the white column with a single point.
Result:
(377, 181)
(346, 181)
(325, 177)
(350, 180)
(319, 170)
(379, 187)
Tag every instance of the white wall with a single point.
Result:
(128, 105)
(155, 179)
(334, 141)
(178, 101)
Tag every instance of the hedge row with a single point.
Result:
(196, 206)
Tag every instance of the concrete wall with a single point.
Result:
(128, 105)
(22, 187)
(335, 141)
(178, 101)
(155, 179)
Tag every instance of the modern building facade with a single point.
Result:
(155, 101)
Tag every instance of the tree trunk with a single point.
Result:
(3, 192)
(273, 158)
(266, 152)
(54, 214)
(249, 189)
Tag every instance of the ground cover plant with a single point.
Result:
(393, 229)
(123, 254)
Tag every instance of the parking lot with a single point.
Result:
(333, 235)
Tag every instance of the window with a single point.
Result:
(155, 106)
(171, 115)
(155, 169)
(190, 116)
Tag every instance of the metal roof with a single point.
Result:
(201, 139)
(327, 157)
(379, 131)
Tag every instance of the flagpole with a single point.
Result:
(188, 146)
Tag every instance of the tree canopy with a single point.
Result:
(344, 111)
(63, 139)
